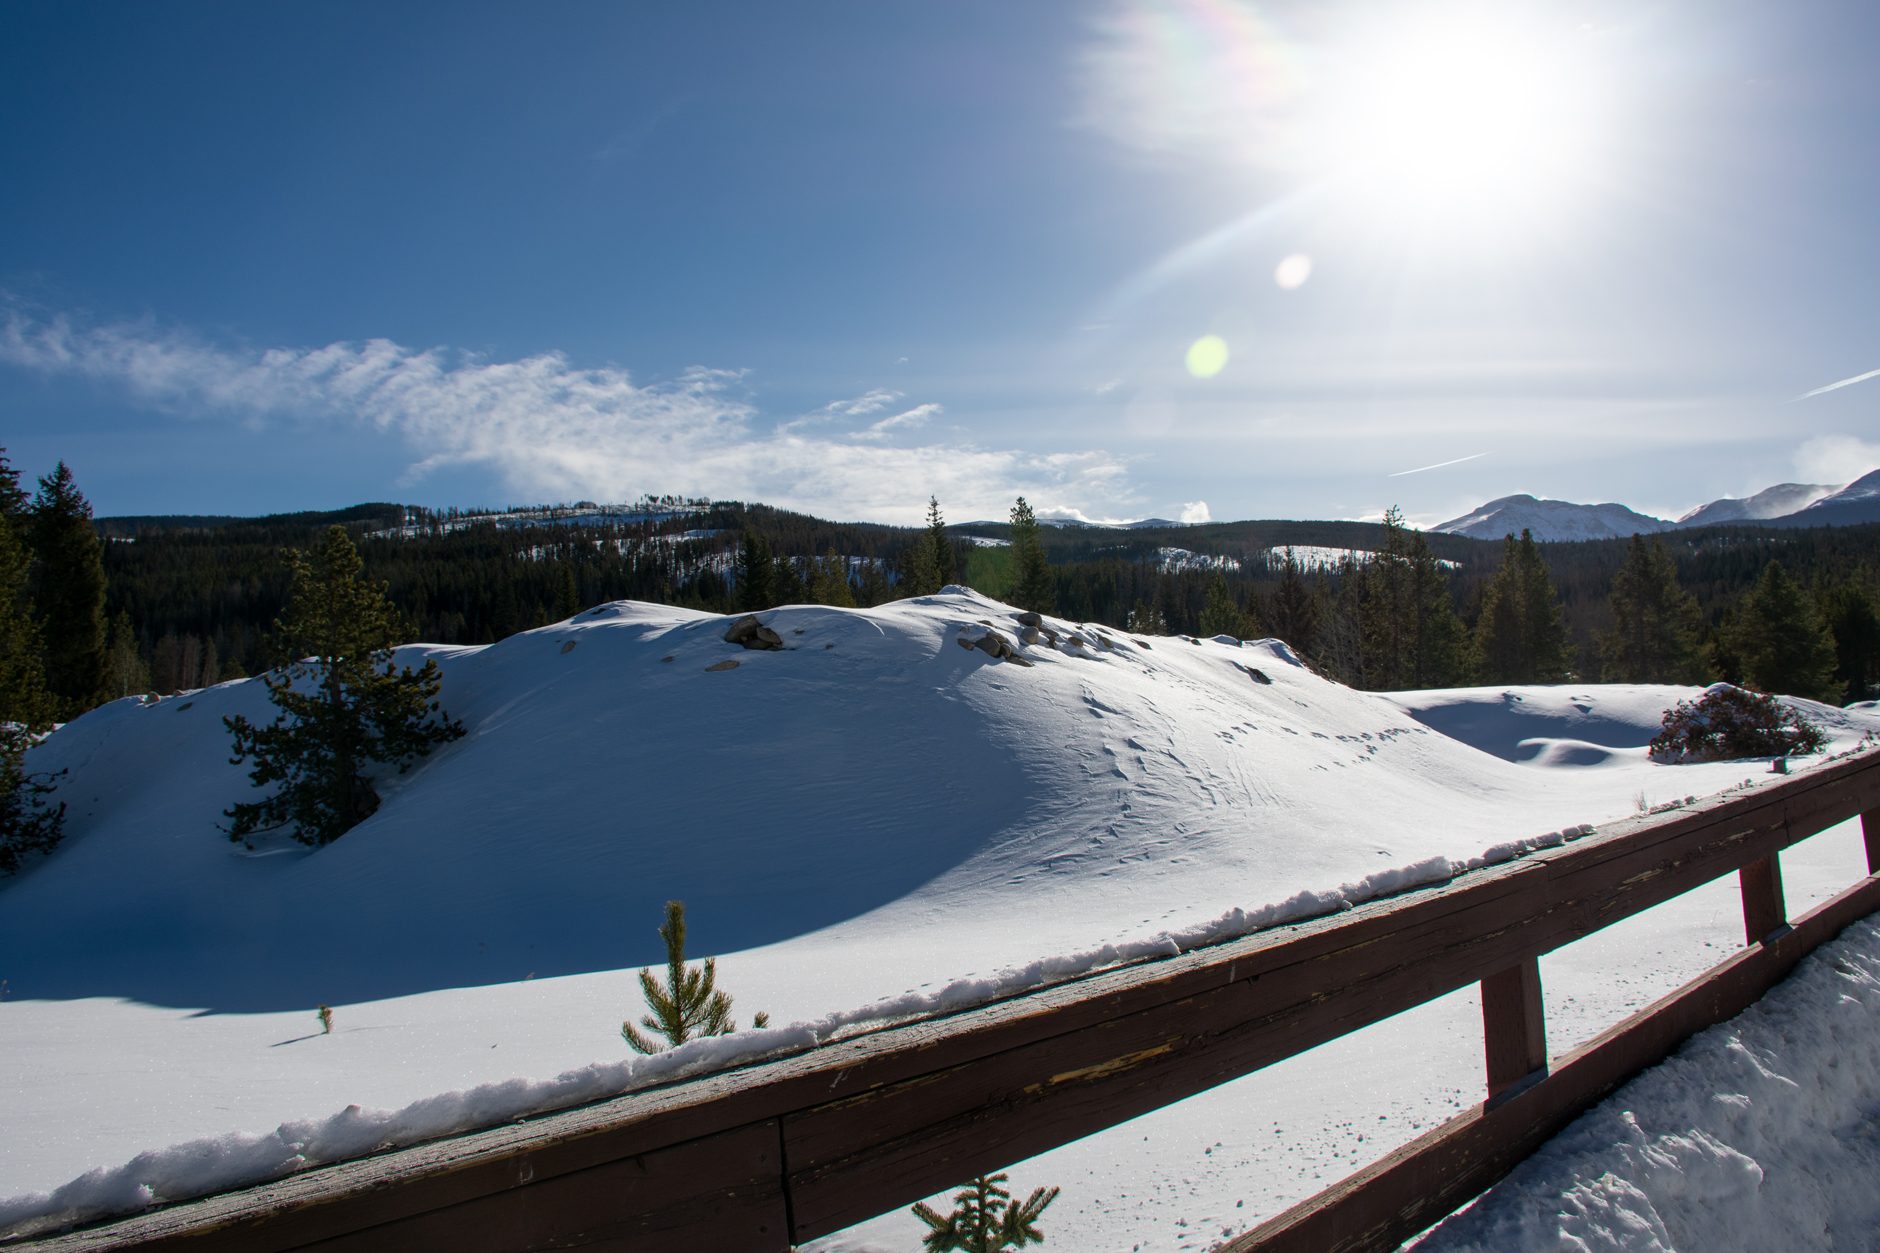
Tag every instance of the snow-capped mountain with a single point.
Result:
(1771, 502)
(1551, 520)
(1858, 502)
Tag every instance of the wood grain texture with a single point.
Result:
(1514, 1025)
(1764, 910)
(869, 1123)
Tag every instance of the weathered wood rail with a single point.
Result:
(790, 1149)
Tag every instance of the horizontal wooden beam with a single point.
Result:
(876, 1121)
(1391, 1200)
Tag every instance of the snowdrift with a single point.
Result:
(886, 816)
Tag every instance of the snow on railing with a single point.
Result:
(797, 1146)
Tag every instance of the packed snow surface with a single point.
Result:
(880, 820)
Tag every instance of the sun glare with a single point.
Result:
(1468, 116)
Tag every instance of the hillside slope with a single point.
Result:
(872, 821)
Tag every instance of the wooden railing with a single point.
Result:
(780, 1152)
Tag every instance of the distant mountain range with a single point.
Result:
(1786, 504)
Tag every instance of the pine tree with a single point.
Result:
(939, 547)
(690, 1005)
(125, 673)
(1387, 609)
(1439, 652)
(28, 823)
(13, 499)
(786, 582)
(930, 561)
(1343, 649)
(567, 596)
(1219, 614)
(1851, 613)
(1780, 641)
(68, 589)
(1032, 588)
(830, 584)
(343, 703)
(1294, 610)
(1520, 636)
(756, 581)
(1654, 637)
(984, 1219)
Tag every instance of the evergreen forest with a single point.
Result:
(183, 601)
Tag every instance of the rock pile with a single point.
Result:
(751, 633)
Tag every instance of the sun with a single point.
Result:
(1468, 115)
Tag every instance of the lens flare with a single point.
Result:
(1292, 273)
(1207, 356)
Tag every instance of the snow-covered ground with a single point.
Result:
(872, 822)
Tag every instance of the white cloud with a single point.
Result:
(1837, 459)
(1196, 511)
(873, 401)
(917, 416)
(555, 431)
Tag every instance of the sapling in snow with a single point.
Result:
(984, 1219)
(690, 1005)
(326, 1019)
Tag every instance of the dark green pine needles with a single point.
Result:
(984, 1219)
(690, 1005)
(343, 704)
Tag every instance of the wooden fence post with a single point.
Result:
(1870, 828)
(1514, 1024)
(1764, 912)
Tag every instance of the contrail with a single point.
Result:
(1858, 378)
(1458, 461)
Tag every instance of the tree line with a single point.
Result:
(95, 610)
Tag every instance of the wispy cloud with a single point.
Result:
(873, 401)
(554, 430)
(869, 402)
(917, 416)
(1437, 466)
(1196, 512)
(1837, 386)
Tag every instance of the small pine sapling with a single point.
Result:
(690, 1004)
(326, 1019)
(984, 1219)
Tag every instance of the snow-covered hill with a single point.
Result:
(881, 819)
(1551, 520)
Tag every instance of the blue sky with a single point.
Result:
(838, 257)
